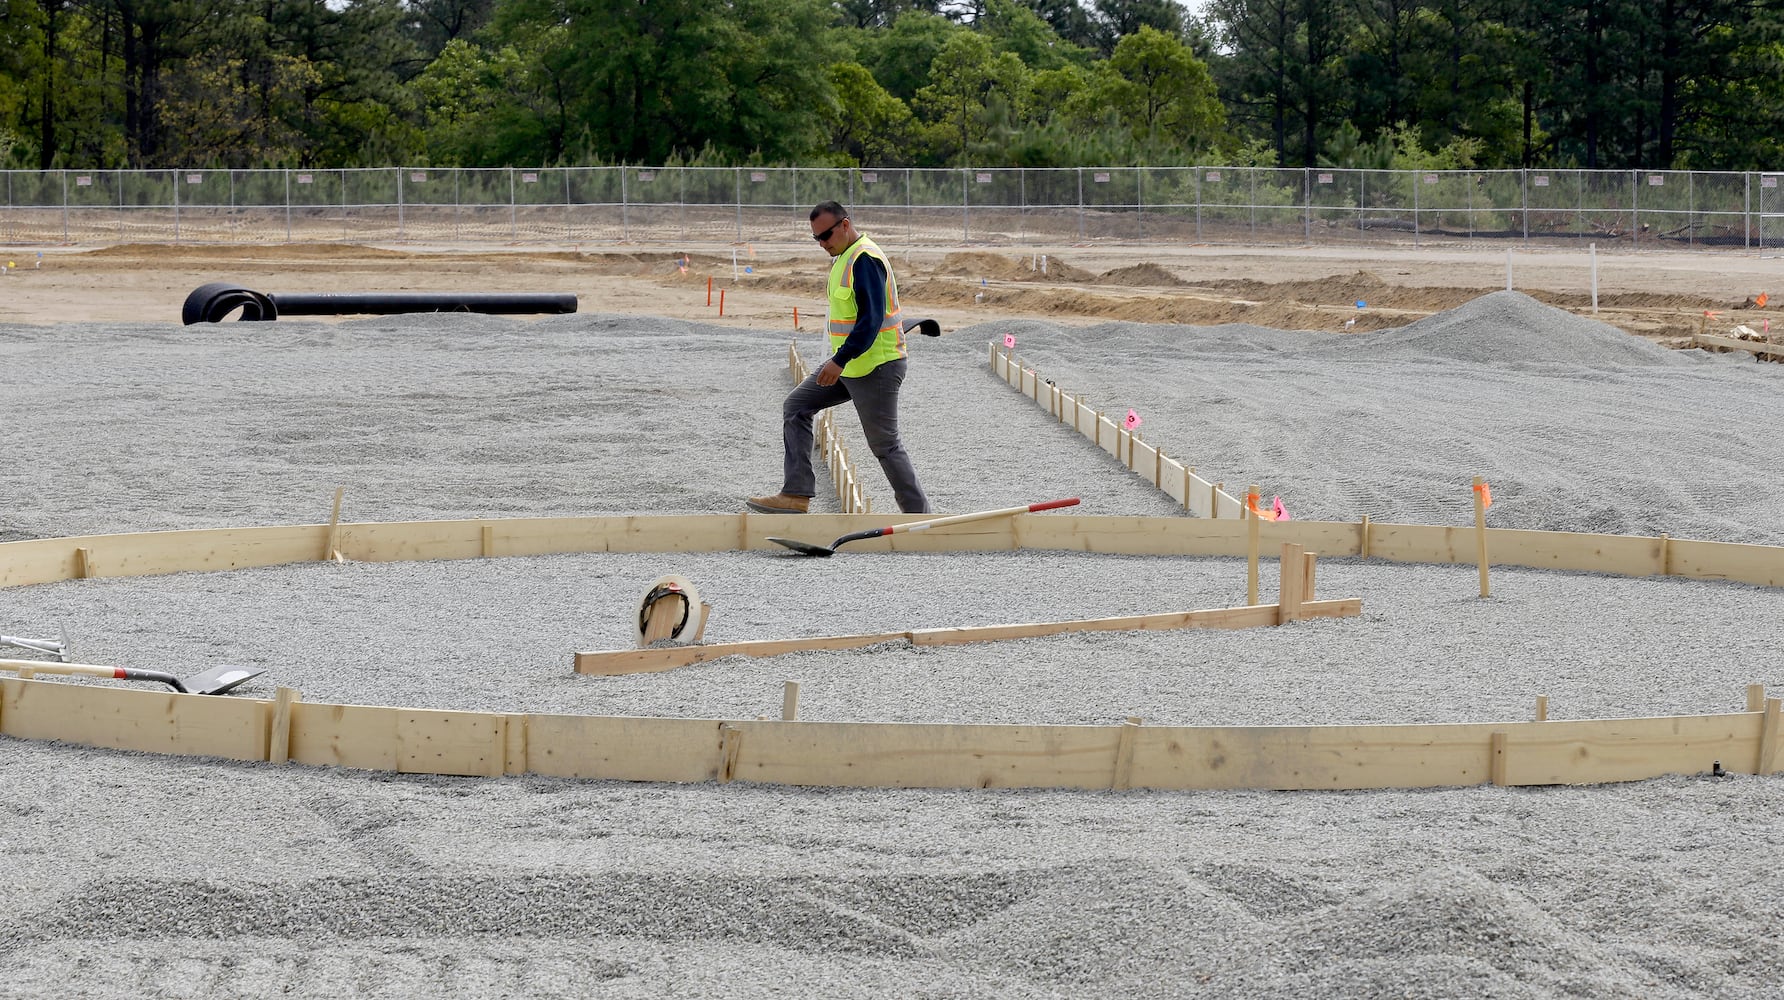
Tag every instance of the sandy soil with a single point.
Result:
(1662, 297)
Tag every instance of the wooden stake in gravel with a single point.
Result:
(1483, 498)
(1250, 514)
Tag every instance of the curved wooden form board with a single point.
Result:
(48, 560)
(904, 755)
(873, 754)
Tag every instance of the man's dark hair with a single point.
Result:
(829, 208)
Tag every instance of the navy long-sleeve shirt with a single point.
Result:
(870, 308)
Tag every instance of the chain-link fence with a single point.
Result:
(1213, 205)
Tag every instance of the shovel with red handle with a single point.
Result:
(216, 680)
(810, 549)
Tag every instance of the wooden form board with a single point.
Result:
(635, 661)
(1125, 755)
(148, 553)
(209, 550)
(1174, 478)
(153, 721)
(1736, 344)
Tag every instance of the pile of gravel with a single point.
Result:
(211, 879)
(1576, 425)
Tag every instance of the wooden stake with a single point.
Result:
(278, 749)
(1496, 758)
(489, 540)
(790, 702)
(705, 612)
(1251, 541)
(1307, 577)
(1363, 530)
(1480, 532)
(1291, 582)
(730, 745)
(1756, 697)
(1124, 754)
(709, 290)
(1768, 739)
(1665, 554)
(83, 563)
(332, 548)
(721, 303)
(1542, 708)
(1188, 475)
(1214, 499)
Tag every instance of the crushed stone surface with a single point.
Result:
(132, 875)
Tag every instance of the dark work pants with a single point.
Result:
(875, 396)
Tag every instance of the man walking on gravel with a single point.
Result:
(866, 367)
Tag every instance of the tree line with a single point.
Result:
(1597, 84)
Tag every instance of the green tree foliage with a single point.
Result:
(1284, 70)
(236, 112)
(869, 125)
(678, 76)
(899, 56)
(971, 92)
(1162, 92)
(1492, 83)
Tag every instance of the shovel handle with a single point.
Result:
(93, 670)
(983, 515)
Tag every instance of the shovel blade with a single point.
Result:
(804, 548)
(220, 679)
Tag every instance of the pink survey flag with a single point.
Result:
(1009, 340)
(1133, 420)
(1280, 510)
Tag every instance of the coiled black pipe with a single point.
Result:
(212, 303)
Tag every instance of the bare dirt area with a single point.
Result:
(1662, 297)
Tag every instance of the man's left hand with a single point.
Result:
(828, 374)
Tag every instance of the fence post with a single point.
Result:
(1415, 209)
(1140, 200)
(1306, 204)
(1200, 171)
(1080, 204)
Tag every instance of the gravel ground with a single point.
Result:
(132, 875)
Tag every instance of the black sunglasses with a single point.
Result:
(821, 237)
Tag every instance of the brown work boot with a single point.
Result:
(780, 503)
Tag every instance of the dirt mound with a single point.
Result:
(1140, 275)
(976, 264)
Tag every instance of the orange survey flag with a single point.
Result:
(1251, 501)
(1486, 494)
(1762, 300)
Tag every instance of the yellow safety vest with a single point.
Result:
(889, 345)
